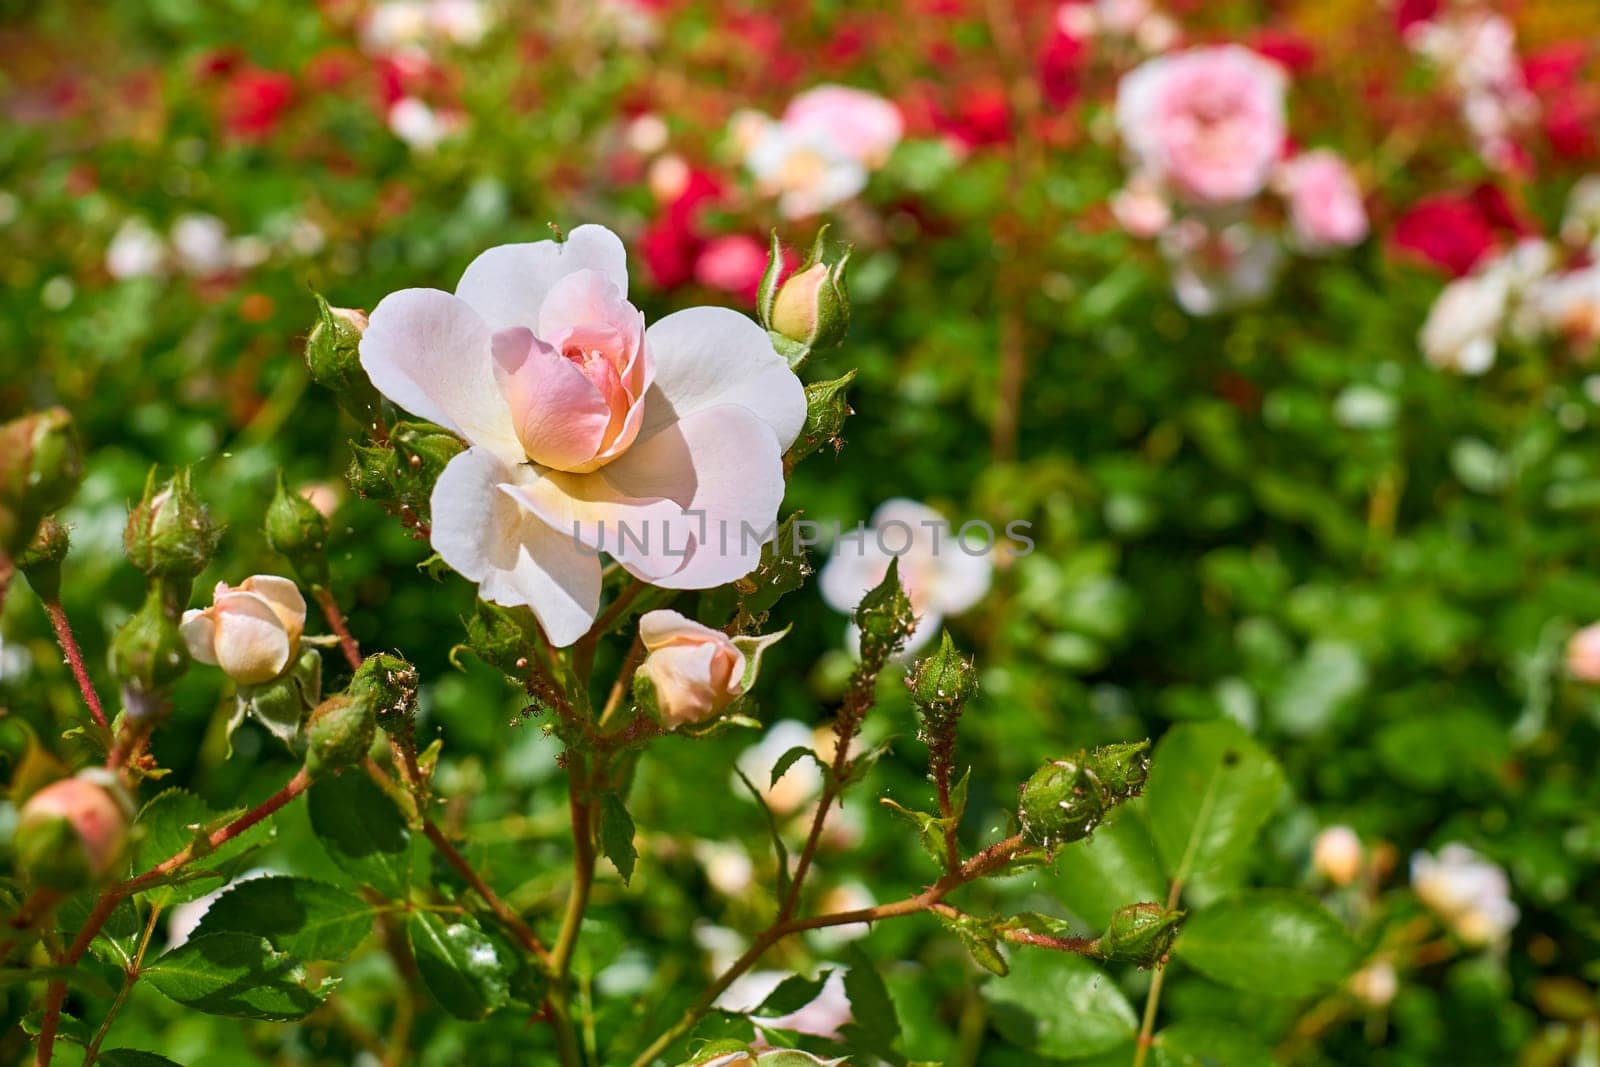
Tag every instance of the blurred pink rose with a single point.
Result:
(1325, 205)
(1210, 121)
(1583, 654)
(733, 264)
(862, 125)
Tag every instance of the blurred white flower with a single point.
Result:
(399, 24)
(851, 896)
(1580, 224)
(1566, 306)
(1463, 325)
(135, 251)
(822, 149)
(201, 245)
(941, 573)
(1141, 207)
(1583, 654)
(1468, 892)
(1476, 49)
(728, 867)
(1337, 855)
(421, 126)
(1375, 984)
(824, 1016)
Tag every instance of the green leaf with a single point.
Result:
(1114, 866)
(782, 886)
(792, 994)
(1211, 789)
(171, 822)
(461, 967)
(235, 974)
(876, 1027)
(1059, 1005)
(616, 835)
(1272, 943)
(1207, 1043)
(790, 758)
(307, 919)
(980, 941)
(132, 1057)
(362, 831)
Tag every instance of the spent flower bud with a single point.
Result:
(1140, 934)
(40, 562)
(41, 464)
(296, 530)
(333, 354)
(72, 834)
(170, 533)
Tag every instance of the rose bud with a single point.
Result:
(334, 359)
(1059, 804)
(40, 562)
(693, 671)
(1337, 855)
(1583, 654)
(1139, 934)
(827, 406)
(389, 684)
(340, 731)
(809, 309)
(252, 630)
(147, 652)
(169, 532)
(73, 833)
(296, 530)
(41, 464)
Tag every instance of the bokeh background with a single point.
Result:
(1281, 513)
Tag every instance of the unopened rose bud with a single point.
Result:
(339, 732)
(389, 684)
(1375, 984)
(252, 630)
(501, 637)
(827, 407)
(1140, 934)
(73, 833)
(333, 354)
(884, 618)
(1583, 654)
(170, 533)
(296, 530)
(422, 450)
(1119, 770)
(941, 683)
(1059, 804)
(372, 471)
(1337, 855)
(147, 652)
(808, 310)
(41, 464)
(696, 671)
(40, 562)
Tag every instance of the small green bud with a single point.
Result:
(340, 732)
(40, 562)
(1120, 769)
(148, 652)
(810, 309)
(41, 464)
(943, 681)
(827, 407)
(373, 470)
(73, 833)
(501, 637)
(421, 451)
(1140, 934)
(884, 617)
(297, 530)
(389, 685)
(333, 354)
(1059, 804)
(170, 533)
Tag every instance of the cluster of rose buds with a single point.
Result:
(1067, 799)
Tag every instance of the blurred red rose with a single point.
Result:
(254, 100)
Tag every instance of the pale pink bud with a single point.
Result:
(1583, 654)
(252, 630)
(96, 813)
(696, 671)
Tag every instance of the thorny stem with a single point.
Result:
(336, 623)
(130, 977)
(56, 994)
(990, 859)
(70, 649)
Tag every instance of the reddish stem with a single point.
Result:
(331, 612)
(70, 649)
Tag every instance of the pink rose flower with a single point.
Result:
(862, 125)
(1325, 205)
(1210, 121)
(1583, 654)
(588, 432)
(251, 630)
(733, 264)
(696, 671)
